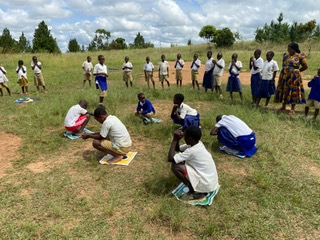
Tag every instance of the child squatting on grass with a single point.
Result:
(194, 165)
(77, 118)
(314, 96)
(113, 137)
(145, 110)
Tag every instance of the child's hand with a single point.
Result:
(178, 134)
(85, 135)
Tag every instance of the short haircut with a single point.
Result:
(140, 95)
(34, 58)
(179, 97)
(271, 53)
(258, 51)
(100, 110)
(219, 117)
(193, 132)
(20, 62)
(83, 103)
(100, 56)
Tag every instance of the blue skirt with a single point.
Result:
(255, 83)
(188, 121)
(208, 80)
(266, 89)
(234, 84)
(101, 81)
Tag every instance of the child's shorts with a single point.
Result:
(163, 77)
(127, 76)
(3, 84)
(312, 102)
(194, 75)
(78, 124)
(38, 80)
(149, 76)
(23, 82)
(87, 77)
(179, 75)
(114, 148)
(217, 80)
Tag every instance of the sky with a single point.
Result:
(161, 22)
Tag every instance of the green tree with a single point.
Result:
(139, 42)
(100, 40)
(24, 44)
(224, 38)
(208, 32)
(73, 46)
(7, 43)
(119, 43)
(43, 40)
(189, 42)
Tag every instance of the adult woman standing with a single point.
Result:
(290, 87)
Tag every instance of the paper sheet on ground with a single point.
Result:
(182, 189)
(73, 137)
(155, 120)
(26, 100)
(232, 152)
(124, 162)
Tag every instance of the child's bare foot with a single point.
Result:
(115, 159)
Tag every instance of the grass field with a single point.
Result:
(54, 188)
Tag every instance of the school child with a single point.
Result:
(113, 138)
(255, 66)
(77, 118)
(267, 87)
(178, 66)
(38, 77)
(148, 72)
(22, 77)
(314, 96)
(234, 84)
(164, 71)
(87, 70)
(183, 114)
(127, 71)
(101, 74)
(217, 72)
(208, 77)
(194, 165)
(195, 65)
(3, 81)
(145, 109)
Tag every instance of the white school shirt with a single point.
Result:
(185, 109)
(268, 69)
(148, 67)
(194, 66)
(219, 71)
(3, 77)
(127, 64)
(73, 114)
(98, 68)
(209, 64)
(178, 66)
(259, 64)
(21, 73)
(87, 67)
(201, 169)
(36, 69)
(234, 70)
(163, 67)
(114, 130)
(235, 125)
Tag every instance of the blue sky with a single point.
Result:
(165, 21)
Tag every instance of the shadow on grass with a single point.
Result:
(160, 185)
(91, 155)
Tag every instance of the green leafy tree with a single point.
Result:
(119, 43)
(7, 43)
(100, 40)
(43, 40)
(73, 46)
(208, 32)
(139, 42)
(189, 42)
(24, 44)
(224, 38)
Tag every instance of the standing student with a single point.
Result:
(195, 65)
(267, 87)
(148, 72)
(3, 81)
(178, 66)
(87, 70)
(164, 71)
(38, 77)
(314, 96)
(21, 70)
(208, 78)
(255, 66)
(127, 71)
(234, 84)
(113, 138)
(217, 72)
(101, 74)
(193, 165)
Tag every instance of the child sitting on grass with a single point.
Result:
(145, 109)
(183, 114)
(314, 96)
(194, 165)
(77, 118)
(113, 138)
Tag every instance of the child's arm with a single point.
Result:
(178, 134)
(214, 131)
(95, 135)
(174, 111)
